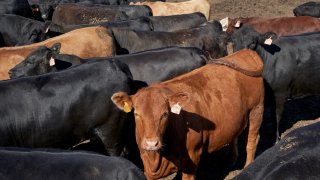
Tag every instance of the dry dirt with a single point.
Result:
(249, 8)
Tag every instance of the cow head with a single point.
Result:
(47, 7)
(247, 37)
(153, 109)
(37, 62)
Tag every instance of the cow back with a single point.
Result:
(85, 43)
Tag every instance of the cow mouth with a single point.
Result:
(152, 149)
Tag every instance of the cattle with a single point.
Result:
(71, 14)
(141, 24)
(208, 37)
(80, 107)
(177, 22)
(18, 7)
(174, 8)
(296, 156)
(18, 30)
(169, 62)
(291, 63)
(47, 7)
(308, 9)
(39, 164)
(283, 26)
(199, 112)
(85, 43)
(146, 23)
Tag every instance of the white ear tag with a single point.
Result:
(46, 30)
(52, 62)
(268, 41)
(237, 24)
(176, 108)
(224, 23)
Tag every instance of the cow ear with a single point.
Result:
(268, 37)
(56, 48)
(123, 101)
(178, 101)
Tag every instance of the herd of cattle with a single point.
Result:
(144, 89)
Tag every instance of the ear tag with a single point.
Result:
(52, 62)
(47, 29)
(237, 24)
(176, 108)
(224, 23)
(268, 41)
(126, 107)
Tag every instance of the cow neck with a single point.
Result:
(157, 166)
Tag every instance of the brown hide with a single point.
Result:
(282, 26)
(85, 43)
(175, 8)
(217, 102)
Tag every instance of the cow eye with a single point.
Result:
(164, 115)
(252, 46)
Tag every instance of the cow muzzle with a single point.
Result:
(151, 144)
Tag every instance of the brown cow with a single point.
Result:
(175, 8)
(282, 26)
(85, 42)
(217, 103)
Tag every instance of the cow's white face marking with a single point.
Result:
(176, 108)
(224, 23)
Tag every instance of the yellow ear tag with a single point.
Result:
(126, 107)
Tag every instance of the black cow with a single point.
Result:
(308, 9)
(296, 156)
(71, 14)
(47, 7)
(149, 66)
(63, 108)
(208, 37)
(18, 7)
(146, 23)
(291, 63)
(18, 30)
(39, 164)
(176, 22)
(141, 24)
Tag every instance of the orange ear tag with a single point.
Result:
(176, 108)
(126, 107)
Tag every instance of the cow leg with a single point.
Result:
(280, 101)
(255, 120)
(112, 134)
(234, 149)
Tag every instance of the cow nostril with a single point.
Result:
(152, 143)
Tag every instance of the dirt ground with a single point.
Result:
(249, 8)
(300, 112)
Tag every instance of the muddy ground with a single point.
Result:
(217, 166)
